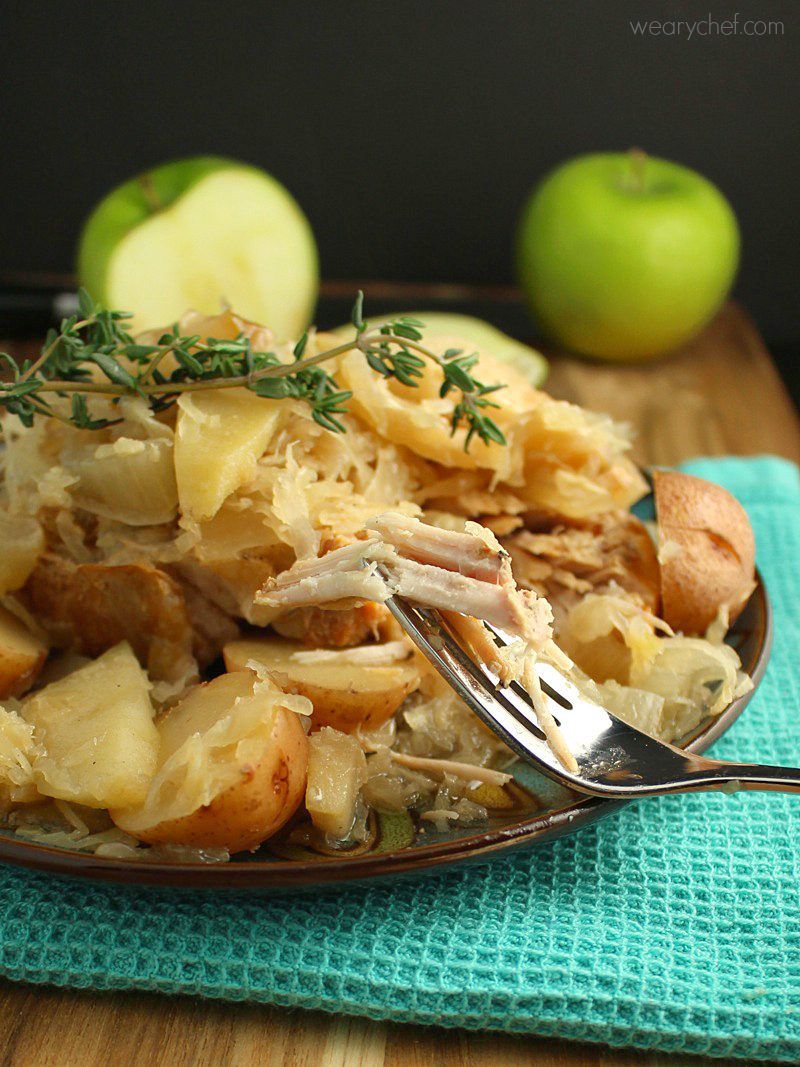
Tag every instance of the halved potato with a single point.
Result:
(707, 551)
(22, 655)
(337, 768)
(346, 692)
(96, 733)
(231, 768)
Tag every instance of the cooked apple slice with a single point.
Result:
(22, 656)
(130, 480)
(348, 687)
(231, 767)
(219, 438)
(99, 744)
(447, 329)
(337, 768)
(22, 539)
(194, 233)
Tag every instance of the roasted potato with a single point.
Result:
(337, 768)
(707, 551)
(94, 729)
(345, 692)
(231, 769)
(22, 655)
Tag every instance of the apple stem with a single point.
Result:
(150, 195)
(636, 164)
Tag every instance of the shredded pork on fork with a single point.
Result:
(465, 575)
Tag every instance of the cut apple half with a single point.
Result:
(445, 329)
(202, 233)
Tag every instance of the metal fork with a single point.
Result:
(614, 759)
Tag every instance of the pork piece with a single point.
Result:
(230, 583)
(520, 613)
(469, 553)
(90, 607)
(566, 562)
(479, 644)
(212, 628)
(373, 570)
(516, 664)
(347, 573)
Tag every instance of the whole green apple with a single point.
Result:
(623, 256)
(197, 233)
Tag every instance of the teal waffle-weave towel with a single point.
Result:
(674, 924)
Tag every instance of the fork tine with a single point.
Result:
(509, 713)
(614, 758)
(554, 685)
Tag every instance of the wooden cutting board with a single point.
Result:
(720, 394)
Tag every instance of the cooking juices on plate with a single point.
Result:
(195, 655)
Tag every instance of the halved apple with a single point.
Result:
(446, 329)
(194, 233)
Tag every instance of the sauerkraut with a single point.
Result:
(229, 514)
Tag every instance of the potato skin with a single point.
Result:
(255, 807)
(344, 697)
(347, 709)
(715, 564)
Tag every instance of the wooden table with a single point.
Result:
(720, 394)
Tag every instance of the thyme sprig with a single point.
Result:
(97, 339)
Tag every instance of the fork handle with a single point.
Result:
(730, 777)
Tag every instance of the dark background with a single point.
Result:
(410, 132)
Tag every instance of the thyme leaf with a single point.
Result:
(99, 340)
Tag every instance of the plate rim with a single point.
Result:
(276, 875)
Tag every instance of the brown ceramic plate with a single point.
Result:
(538, 810)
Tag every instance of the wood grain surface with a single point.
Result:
(720, 394)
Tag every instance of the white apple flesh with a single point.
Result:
(201, 234)
(446, 329)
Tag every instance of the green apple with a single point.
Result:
(624, 256)
(445, 329)
(197, 233)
